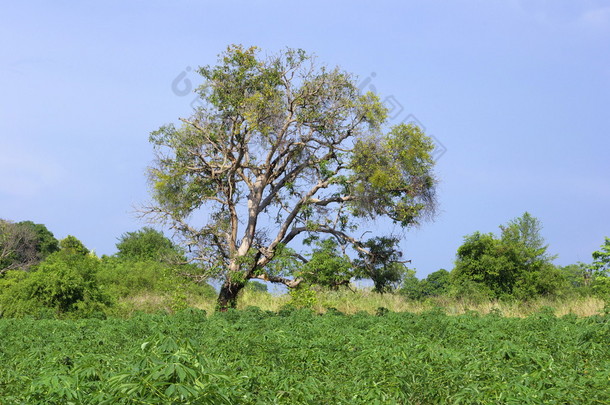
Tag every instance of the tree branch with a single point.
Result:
(277, 279)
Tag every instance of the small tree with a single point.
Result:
(599, 271)
(436, 283)
(601, 260)
(410, 286)
(516, 264)
(327, 265)
(380, 262)
(278, 150)
(148, 244)
(24, 244)
(483, 260)
(70, 244)
(46, 243)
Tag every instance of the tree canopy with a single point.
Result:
(515, 264)
(147, 244)
(280, 149)
(24, 244)
(601, 260)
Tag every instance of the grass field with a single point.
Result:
(351, 302)
(300, 357)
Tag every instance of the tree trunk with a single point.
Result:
(227, 298)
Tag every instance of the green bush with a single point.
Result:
(601, 287)
(302, 297)
(64, 282)
(123, 278)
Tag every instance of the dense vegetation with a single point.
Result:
(298, 357)
(73, 282)
(51, 278)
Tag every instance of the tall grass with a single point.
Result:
(351, 302)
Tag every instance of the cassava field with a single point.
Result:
(253, 356)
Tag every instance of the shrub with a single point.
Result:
(65, 282)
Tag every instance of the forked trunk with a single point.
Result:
(227, 298)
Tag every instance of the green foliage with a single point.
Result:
(392, 175)
(46, 242)
(601, 287)
(480, 259)
(128, 278)
(147, 244)
(381, 264)
(601, 260)
(435, 284)
(256, 286)
(410, 287)
(575, 276)
(256, 357)
(514, 265)
(24, 244)
(124, 278)
(65, 282)
(327, 266)
(524, 233)
(73, 246)
(472, 291)
(302, 297)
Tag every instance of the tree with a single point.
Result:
(482, 259)
(46, 241)
(524, 233)
(516, 264)
(148, 244)
(435, 284)
(17, 246)
(410, 287)
(599, 270)
(601, 260)
(73, 246)
(327, 265)
(576, 275)
(24, 244)
(380, 262)
(278, 150)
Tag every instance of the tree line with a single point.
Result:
(514, 265)
(43, 276)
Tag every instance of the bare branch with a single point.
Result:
(277, 279)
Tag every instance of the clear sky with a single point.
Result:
(517, 92)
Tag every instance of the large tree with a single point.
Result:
(280, 149)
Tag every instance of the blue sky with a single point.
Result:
(518, 92)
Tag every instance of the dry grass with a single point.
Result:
(351, 302)
(580, 306)
(263, 300)
(365, 300)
